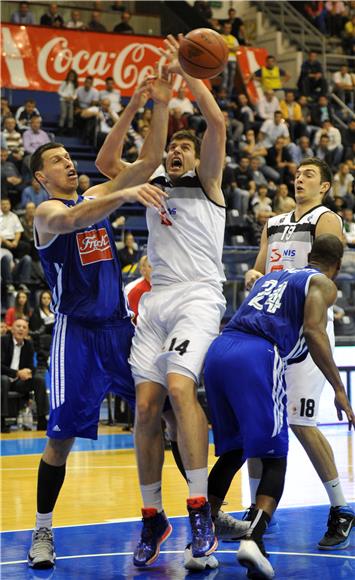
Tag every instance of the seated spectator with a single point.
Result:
(136, 289)
(271, 76)
(256, 174)
(106, 117)
(305, 108)
(75, 23)
(181, 101)
(114, 95)
(257, 226)
(11, 180)
(13, 138)
(311, 81)
(260, 201)
(279, 159)
(349, 226)
(3, 327)
(349, 37)
(18, 373)
(334, 17)
(349, 139)
(300, 151)
(271, 129)
(11, 248)
(282, 202)
(343, 184)
(321, 111)
(244, 113)
(22, 15)
(204, 8)
(129, 254)
(25, 113)
(343, 84)
(267, 106)
(335, 144)
(28, 245)
(234, 130)
(5, 111)
(33, 193)
(21, 309)
(249, 146)
(228, 75)
(322, 150)
(67, 96)
(292, 113)
(95, 25)
(83, 183)
(42, 318)
(242, 187)
(124, 27)
(86, 97)
(52, 17)
(34, 137)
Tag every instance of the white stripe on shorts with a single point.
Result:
(58, 367)
(278, 392)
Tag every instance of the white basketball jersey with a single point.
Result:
(290, 241)
(186, 237)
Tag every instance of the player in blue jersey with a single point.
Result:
(93, 329)
(284, 315)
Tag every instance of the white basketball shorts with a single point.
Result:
(176, 325)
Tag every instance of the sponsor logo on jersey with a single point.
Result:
(165, 219)
(277, 254)
(94, 246)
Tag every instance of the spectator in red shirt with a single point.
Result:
(138, 287)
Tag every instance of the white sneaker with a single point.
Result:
(202, 563)
(41, 553)
(228, 528)
(250, 556)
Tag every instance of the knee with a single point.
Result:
(148, 412)
(181, 396)
(57, 451)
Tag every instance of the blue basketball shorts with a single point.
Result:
(245, 387)
(86, 363)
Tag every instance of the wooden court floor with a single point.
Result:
(101, 489)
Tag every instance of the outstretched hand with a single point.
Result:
(170, 51)
(161, 86)
(342, 403)
(142, 93)
(146, 194)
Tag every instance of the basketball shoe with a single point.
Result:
(204, 541)
(203, 563)
(340, 523)
(252, 555)
(156, 529)
(227, 527)
(41, 553)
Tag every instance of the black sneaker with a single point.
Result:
(340, 523)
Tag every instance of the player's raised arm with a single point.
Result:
(214, 140)
(321, 295)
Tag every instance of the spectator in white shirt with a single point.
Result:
(267, 105)
(86, 97)
(343, 84)
(22, 16)
(75, 22)
(67, 96)
(271, 129)
(186, 109)
(335, 145)
(114, 95)
(10, 235)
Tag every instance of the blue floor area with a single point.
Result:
(104, 551)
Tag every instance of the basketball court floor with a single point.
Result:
(97, 515)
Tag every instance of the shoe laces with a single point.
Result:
(199, 521)
(42, 537)
(334, 523)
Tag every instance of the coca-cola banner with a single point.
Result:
(37, 58)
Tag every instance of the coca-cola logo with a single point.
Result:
(94, 246)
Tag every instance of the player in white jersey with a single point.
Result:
(286, 242)
(179, 319)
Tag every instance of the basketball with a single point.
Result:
(203, 53)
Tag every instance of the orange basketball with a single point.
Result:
(203, 53)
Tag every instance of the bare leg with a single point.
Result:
(57, 451)
(318, 450)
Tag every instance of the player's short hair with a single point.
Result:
(327, 249)
(190, 136)
(324, 169)
(36, 162)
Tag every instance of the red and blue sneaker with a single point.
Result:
(156, 529)
(204, 541)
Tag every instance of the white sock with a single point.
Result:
(335, 492)
(44, 520)
(253, 485)
(197, 482)
(151, 495)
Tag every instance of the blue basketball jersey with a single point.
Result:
(274, 310)
(83, 272)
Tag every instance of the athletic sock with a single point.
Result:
(335, 492)
(176, 453)
(44, 520)
(258, 525)
(50, 481)
(253, 485)
(197, 482)
(151, 495)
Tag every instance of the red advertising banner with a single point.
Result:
(38, 58)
